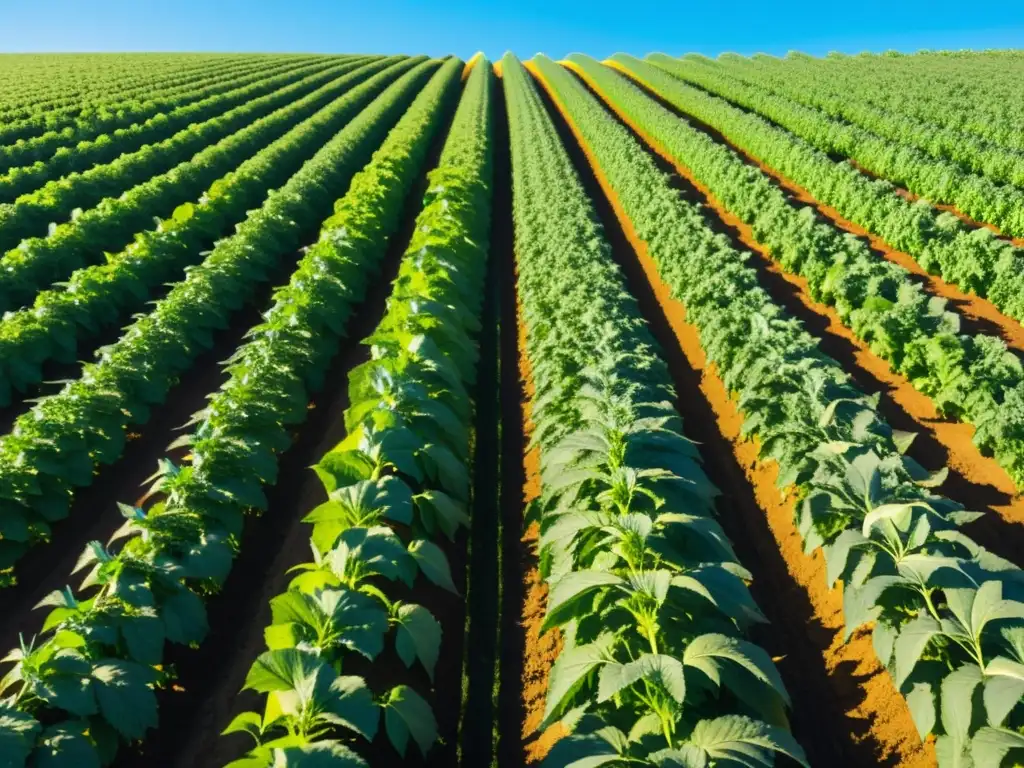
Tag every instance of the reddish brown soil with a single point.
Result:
(863, 688)
(976, 481)
(541, 650)
(534, 652)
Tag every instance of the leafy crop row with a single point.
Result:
(39, 261)
(33, 163)
(139, 95)
(924, 86)
(98, 296)
(945, 182)
(948, 617)
(46, 85)
(844, 100)
(400, 479)
(643, 583)
(88, 685)
(975, 260)
(56, 200)
(57, 445)
(973, 378)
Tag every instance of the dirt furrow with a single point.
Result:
(479, 728)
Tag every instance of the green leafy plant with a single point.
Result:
(643, 585)
(169, 556)
(55, 446)
(400, 478)
(945, 613)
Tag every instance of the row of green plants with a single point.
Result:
(644, 587)
(30, 164)
(88, 236)
(95, 298)
(59, 443)
(924, 86)
(970, 377)
(62, 200)
(975, 260)
(938, 180)
(172, 555)
(140, 93)
(946, 616)
(82, 81)
(845, 100)
(398, 484)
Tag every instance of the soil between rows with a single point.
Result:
(526, 655)
(976, 481)
(479, 729)
(845, 709)
(211, 677)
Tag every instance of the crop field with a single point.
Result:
(365, 410)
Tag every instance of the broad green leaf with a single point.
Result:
(860, 604)
(407, 714)
(340, 468)
(581, 751)
(566, 593)
(662, 670)
(957, 696)
(449, 513)
(184, 617)
(65, 745)
(72, 692)
(990, 745)
(285, 670)
(838, 552)
(745, 741)
(418, 637)
(910, 644)
(278, 636)
(898, 514)
(367, 551)
(883, 637)
(921, 701)
(449, 471)
(433, 563)
(327, 618)
(687, 756)
(144, 636)
(318, 754)
(350, 703)
(653, 584)
(570, 670)
(246, 722)
(989, 605)
(723, 589)
(17, 736)
(1004, 688)
(124, 696)
(707, 652)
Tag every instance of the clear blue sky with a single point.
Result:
(555, 27)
